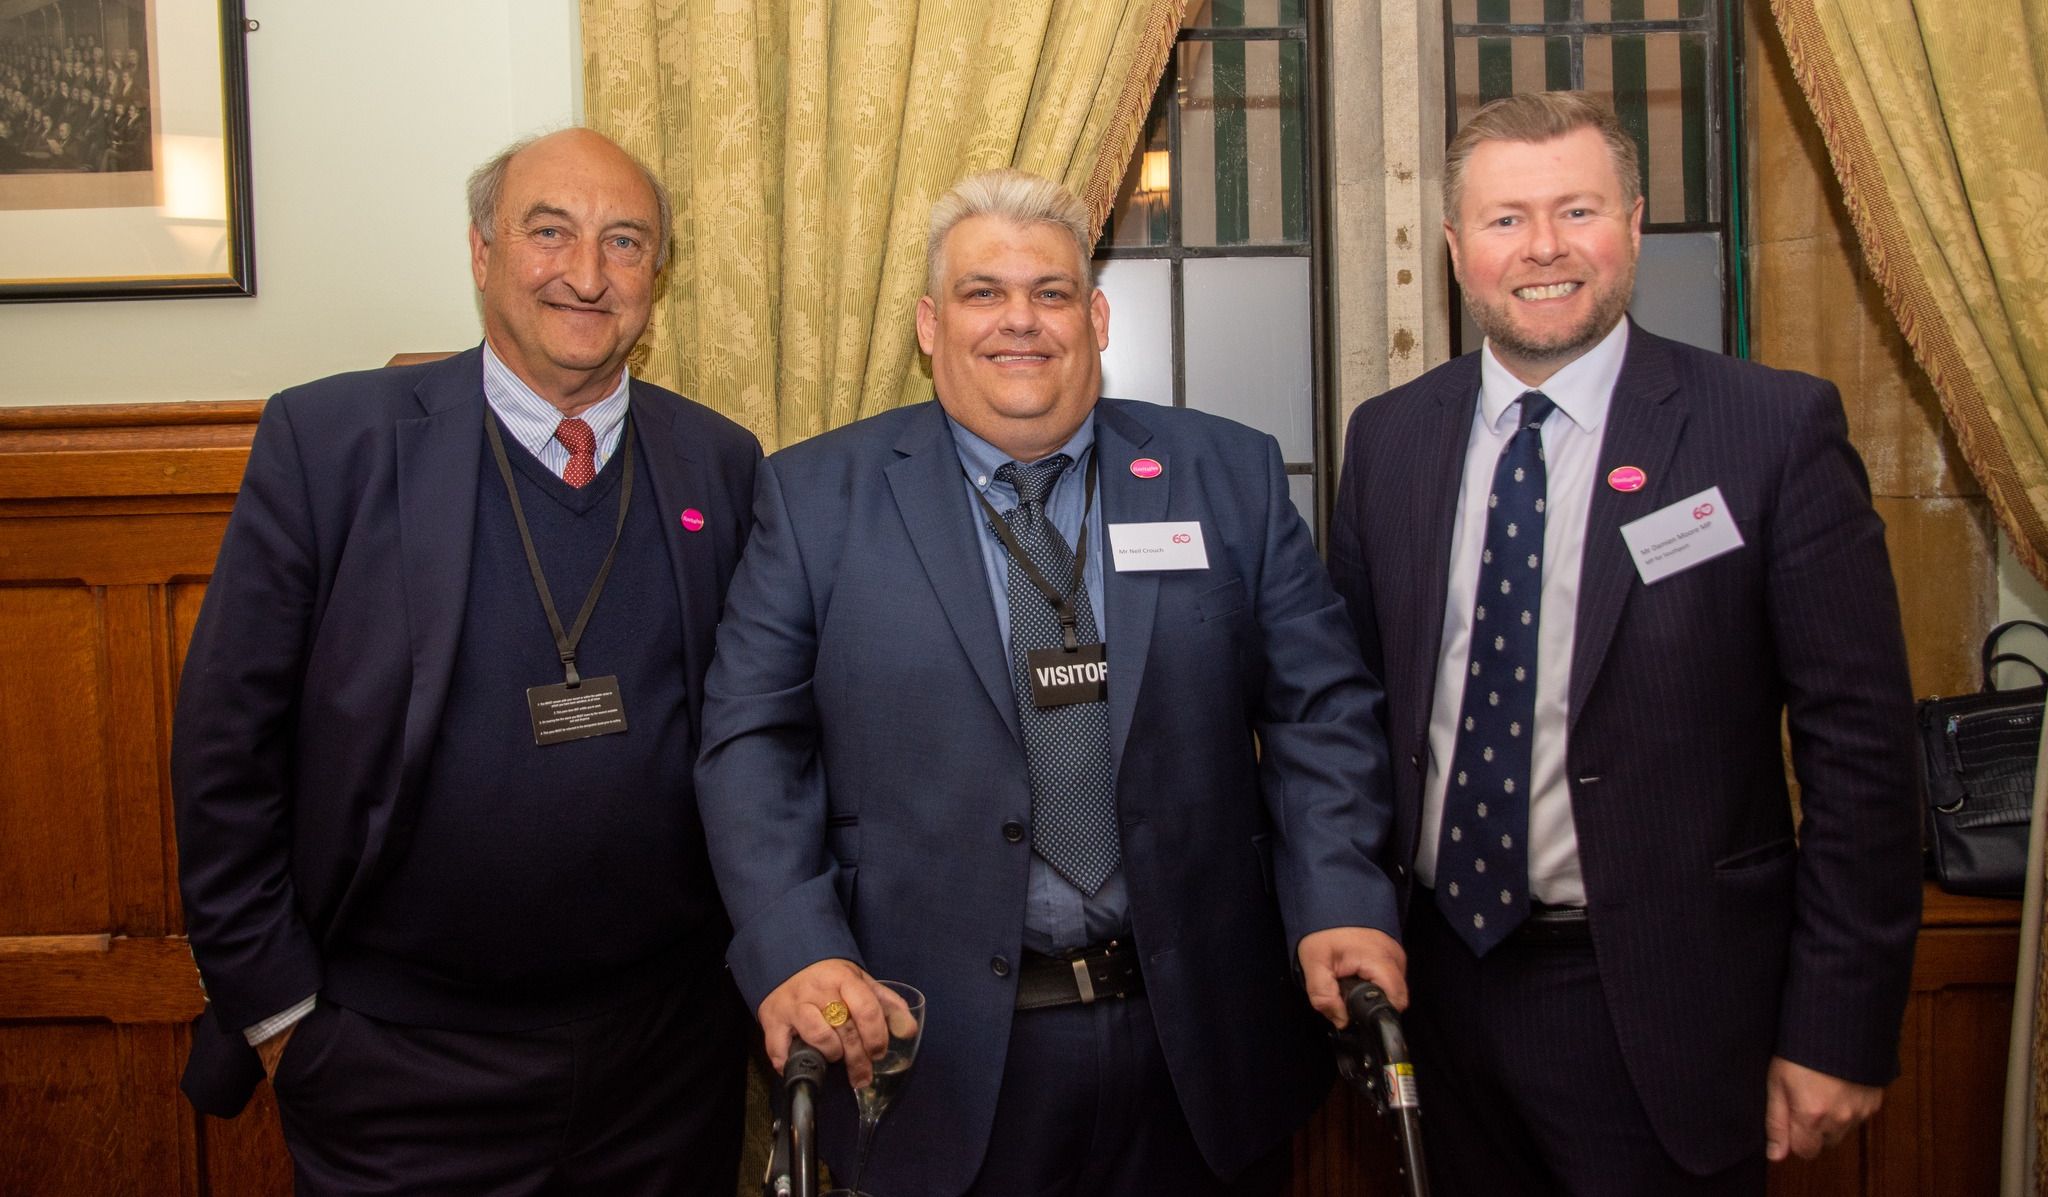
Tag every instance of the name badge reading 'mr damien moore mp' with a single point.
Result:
(563, 713)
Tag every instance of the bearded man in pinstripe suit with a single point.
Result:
(1595, 569)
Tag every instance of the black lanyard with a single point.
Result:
(565, 642)
(1062, 604)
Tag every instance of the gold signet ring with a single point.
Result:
(836, 1014)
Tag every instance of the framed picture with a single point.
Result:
(124, 150)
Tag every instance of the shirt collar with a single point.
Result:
(532, 420)
(981, 459)
(1583, 389)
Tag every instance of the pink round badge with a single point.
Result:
(1626, 478)
(693, 520)
(1145, 467)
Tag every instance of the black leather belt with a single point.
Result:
(1554, 926)
(1089, 975)
(1546, 926)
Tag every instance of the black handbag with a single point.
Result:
(1977, 758)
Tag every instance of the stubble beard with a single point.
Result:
(1498, 323)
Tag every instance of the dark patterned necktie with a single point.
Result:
(1073, 798)
(1482, 854)
(581, 443)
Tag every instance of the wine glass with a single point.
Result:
(903, 1011)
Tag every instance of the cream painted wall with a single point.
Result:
(365, 117)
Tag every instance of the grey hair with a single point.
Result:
(487, 186)
(1539, 116)
(1013, 196)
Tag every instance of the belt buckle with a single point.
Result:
(1084, 981)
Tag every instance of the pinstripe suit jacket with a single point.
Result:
(1721, 940)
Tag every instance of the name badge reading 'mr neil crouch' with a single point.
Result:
(561, 714)
(1060, 678)
(1176, 545)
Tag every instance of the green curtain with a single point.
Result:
(805, 141)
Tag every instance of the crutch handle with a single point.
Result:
(1363, 1000)
(1375, 1032)
(793, 1159)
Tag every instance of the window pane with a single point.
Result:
(1302, 489)
(1239, 14)
(1139, 361)
(1489, 68)
(1243, 143)
(1247, 345)
(1140, 216)
(1678, 288)
(1657, 82)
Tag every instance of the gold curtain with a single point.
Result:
(805, 141)
(1936, 120)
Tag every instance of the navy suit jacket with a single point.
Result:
(862, 762)
(1721, 939)
(321, 659)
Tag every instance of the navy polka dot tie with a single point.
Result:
(1073, 796)
(1482, 855)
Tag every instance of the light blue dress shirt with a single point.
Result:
(1057, 916)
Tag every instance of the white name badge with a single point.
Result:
(1676, 538)
(1157, 546)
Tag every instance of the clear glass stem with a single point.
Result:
(860, 1150)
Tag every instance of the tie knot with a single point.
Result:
(1034, 482)
(1536, 407)
(576, 436)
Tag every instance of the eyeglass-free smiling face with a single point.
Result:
(1545, 249)
(1015, 334)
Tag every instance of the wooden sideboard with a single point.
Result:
(109, 521)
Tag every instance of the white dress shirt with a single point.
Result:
(1582, 391)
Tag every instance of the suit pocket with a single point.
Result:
(1755, 858)
(312, 1040)
(1222, 600)
(843, 885)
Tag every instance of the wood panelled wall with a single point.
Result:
(109, 522)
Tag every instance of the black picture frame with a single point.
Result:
(95, 229)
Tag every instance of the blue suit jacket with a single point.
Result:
(1720, 940)
(862, 757)
(320, 662)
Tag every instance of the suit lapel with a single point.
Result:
(1132, 599)
(931, 496)
(1440, 453)
(1644, 422)
(439, 454)
(677, 477)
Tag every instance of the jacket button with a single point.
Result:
(1013, 831)
(999, 966)
(1415, 760)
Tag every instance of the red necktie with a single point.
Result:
(581, 442)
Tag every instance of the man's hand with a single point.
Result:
(271, 1050)
(798, 1005)
(1351, 952)
(1806, 1111)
